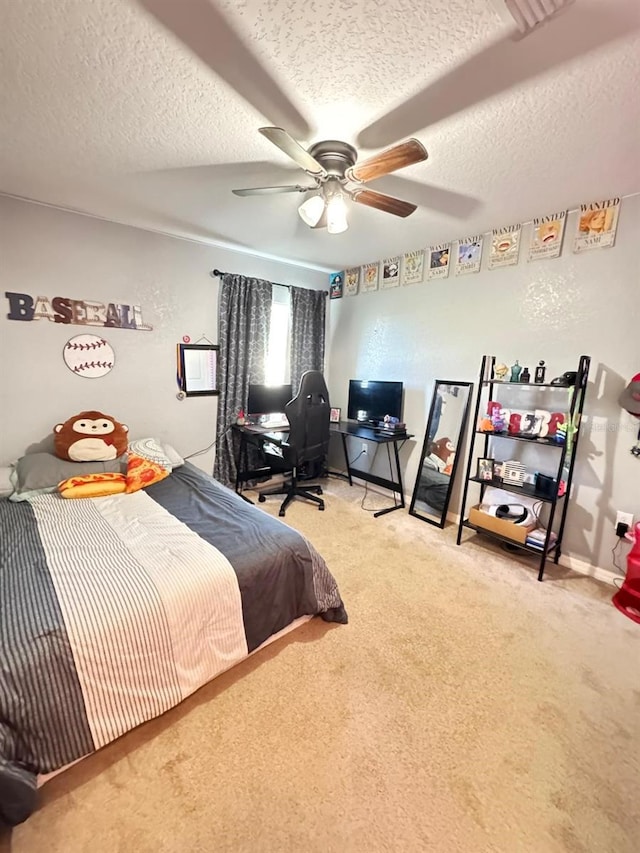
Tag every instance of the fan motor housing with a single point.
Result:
(335, 156)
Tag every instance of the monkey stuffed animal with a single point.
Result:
(90, 437)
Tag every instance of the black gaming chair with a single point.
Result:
(308, 443)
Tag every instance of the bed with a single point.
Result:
(115, 609)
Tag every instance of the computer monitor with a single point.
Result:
(370, 400)
(268, 399)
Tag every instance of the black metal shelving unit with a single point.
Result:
(487, 388)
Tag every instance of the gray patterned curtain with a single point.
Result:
(244, 317)
(307, 332)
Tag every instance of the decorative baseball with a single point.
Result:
(89, 356)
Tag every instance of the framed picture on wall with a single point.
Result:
(334, 415)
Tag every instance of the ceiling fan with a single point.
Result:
(529, 49)
(336, 174)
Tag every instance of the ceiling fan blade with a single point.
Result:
(383, 202)
(501, 66)
(285, 142)
(204, 30)
(272, 190)
(448, 202)
(394, 158)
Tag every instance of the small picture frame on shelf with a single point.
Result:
(485, 469)
(334, 415)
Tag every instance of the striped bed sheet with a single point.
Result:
(115, 609)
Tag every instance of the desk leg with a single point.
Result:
(346, 457)
(400, 488)
(241, 467)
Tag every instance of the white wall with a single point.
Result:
(556, 310)
(48, 252)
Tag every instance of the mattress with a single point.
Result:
(115, 609)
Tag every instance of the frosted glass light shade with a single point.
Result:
(311, 210)
(336, 214)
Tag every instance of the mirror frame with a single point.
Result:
(182, 375)
(425, 445)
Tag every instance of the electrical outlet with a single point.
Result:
(624, 518)
(364, 447)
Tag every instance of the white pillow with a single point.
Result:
(173, 455)
(157, 451)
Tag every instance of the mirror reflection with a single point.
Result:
(440, 452)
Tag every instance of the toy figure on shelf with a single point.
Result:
(498, 421)
(516, 370)
(560, 434)
(540, 372)
(500, 371)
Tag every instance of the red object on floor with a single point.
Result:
(627, 598)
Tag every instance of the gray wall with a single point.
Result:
(555, 309)
(48, 252)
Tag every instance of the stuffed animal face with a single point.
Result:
(90, 437)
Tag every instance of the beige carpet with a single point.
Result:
(465, 707)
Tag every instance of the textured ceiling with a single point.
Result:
(102, 110)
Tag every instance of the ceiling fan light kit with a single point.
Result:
(336, 214)
(311, 210)
(332, 165)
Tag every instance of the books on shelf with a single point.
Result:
(536, 538)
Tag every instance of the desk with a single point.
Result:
(376, 436)
(256, 436)
(253, 436)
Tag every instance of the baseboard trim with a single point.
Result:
(582, 567)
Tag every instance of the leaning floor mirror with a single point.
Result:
(440, 452)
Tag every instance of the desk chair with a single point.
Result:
(308, 444)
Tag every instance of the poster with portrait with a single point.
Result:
(469, 255)
(505, 246)
(369, 277)
(336, 280)
(413, 267)
(597, 225)
(439, 257)
(390, 272)
(351, 281)
(547, 236)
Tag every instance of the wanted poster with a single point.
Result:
(505, 246)
(597, 225)
(413, 267)
(369, 277)
(390, 272)
(439, 261)
(547, 236)
(469, 255)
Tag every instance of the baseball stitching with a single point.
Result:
(88, 365)
(95, 345)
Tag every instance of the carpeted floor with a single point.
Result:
(465, 707)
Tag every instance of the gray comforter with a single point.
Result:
(114, 609)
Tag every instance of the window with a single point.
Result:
(278, 367)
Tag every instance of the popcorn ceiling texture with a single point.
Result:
(104, 111)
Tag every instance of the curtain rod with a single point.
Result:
(218, 274)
